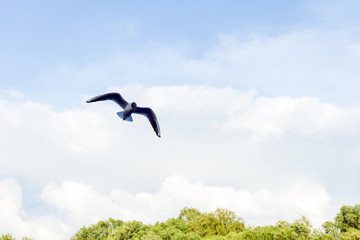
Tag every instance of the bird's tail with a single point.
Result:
(121, 115)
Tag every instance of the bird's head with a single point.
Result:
(133, 105)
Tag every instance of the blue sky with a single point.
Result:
(38, 37)
(44, 35)
(262, 93)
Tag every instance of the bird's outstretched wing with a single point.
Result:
(147, 112)
(116, 97)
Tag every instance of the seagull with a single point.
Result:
(129, 108)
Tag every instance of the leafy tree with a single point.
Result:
(170, 229)
(317, 234)
(331, 229)
(150, 235)
(349, 217)
(189, 214)
(98, 231)
(220, 222)
(6, 237)
(174, 229)
(350, 234)
(228, 221)
(281, 231)
(129, 230)
(302, 228)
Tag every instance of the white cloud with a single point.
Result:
(80, 201)
(227, 130)
(15, 220)
(304, 116)
(257, 207)
(36, 133)
(230, 109)
(278, 155)
(79, 205)
(10, 201)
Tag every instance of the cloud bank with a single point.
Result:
(201, 126)
(81, 205)
(266, 158)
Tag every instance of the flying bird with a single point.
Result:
(129, 108)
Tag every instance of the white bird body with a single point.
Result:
(128, 107)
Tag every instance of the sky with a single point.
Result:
(257, 102)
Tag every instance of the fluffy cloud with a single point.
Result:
(227, 130)
(229, 109)
(16, 221)
(278, 155)
(79, 204)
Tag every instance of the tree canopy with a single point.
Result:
(221, 224)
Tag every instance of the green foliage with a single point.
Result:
(221, 224)
(320, 235)
(173, 229)
(6, 237)
(98, 231)
(10, 237)
(299, 230)
(331, 230)
(350, 234)
(189, 214)
(150, 235)
(349, 217)
(302, 228)
(129, 230)
(282, 230)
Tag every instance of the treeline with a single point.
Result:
(222, 224)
